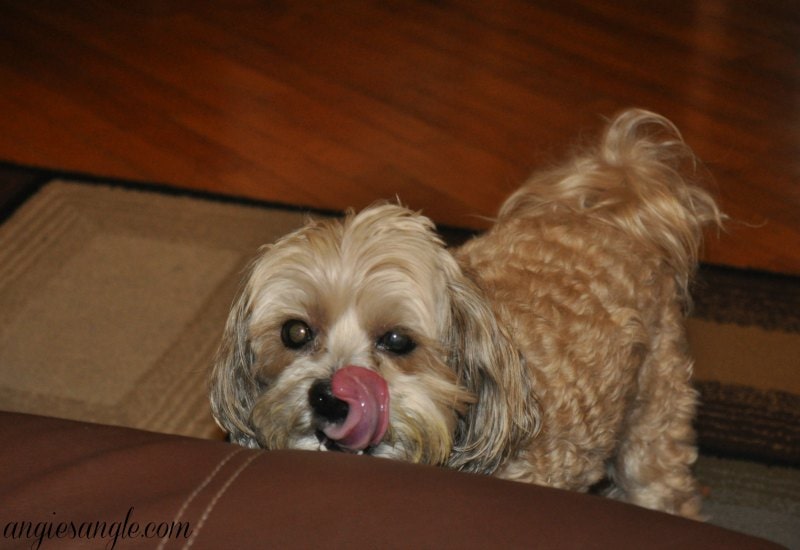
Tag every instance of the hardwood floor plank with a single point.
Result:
(448, 105)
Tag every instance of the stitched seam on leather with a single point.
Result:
(217, 496)
(202, 485)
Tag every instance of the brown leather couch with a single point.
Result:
(67, 484)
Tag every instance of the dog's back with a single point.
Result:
(639, 179)
(589, 264)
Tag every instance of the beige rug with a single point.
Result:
(113, 301)
(745, 355)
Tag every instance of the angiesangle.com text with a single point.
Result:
(54, 529)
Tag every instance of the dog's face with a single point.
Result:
(364, 335)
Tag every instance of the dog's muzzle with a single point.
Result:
(352, 408)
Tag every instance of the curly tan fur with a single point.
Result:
(549, 350)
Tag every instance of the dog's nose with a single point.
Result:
(325, 404)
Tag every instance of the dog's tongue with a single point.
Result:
(367, 396)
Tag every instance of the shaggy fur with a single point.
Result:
(549, 350)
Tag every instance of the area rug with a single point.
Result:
(745, 337)
(113, 300)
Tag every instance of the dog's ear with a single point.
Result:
(506, 414)
(232, 387)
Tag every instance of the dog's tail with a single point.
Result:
(642, 179)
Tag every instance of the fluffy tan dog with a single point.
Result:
(549, 350)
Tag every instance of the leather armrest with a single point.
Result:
(61, 479)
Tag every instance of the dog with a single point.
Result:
(548, 350)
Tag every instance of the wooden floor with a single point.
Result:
(448, 105)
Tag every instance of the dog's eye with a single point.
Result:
(396, 342)
(295, 334)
